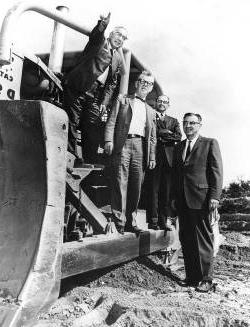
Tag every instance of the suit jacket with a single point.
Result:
(200, 176)
(95, 58)
(166, 141)
(117, 127)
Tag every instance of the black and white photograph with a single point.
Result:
(125, 179)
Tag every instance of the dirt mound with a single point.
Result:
(142, 293)
(147, 273)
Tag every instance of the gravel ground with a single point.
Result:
(143, 293)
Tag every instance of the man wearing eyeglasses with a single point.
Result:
(168, 134)
(130, 136)
(197, 186)
(90, 85)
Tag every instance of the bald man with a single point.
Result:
(90, 85)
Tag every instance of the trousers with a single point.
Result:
(84, 115)
(159, 207)
(196, 237)
(128, 173)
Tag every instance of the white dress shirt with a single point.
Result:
(161, 115)
(138, 121)
(191, 146)
(103, 77)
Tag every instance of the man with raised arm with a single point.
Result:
(90, 85)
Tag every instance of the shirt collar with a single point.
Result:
(137, 96)
(193, 140)
(161, 115)
(110, 48)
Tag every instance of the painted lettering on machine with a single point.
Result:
(10, 79)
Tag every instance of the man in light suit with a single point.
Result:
(168, 134)
(90, 85)
(130, 136)
(198, 176)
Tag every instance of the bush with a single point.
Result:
(235, 205)
(237, 189)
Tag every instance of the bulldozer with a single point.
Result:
(41, 243)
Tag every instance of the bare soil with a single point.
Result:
(143, 293)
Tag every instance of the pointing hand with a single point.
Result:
(105, 19)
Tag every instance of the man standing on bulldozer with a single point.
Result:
(90, 86)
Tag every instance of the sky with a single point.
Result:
(199, 51)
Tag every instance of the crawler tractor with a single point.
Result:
(54, 217)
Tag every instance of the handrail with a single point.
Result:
(15, 12)
(125, 77)
(57, 44)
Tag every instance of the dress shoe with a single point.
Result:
(120, 229)
(134, 229)
(205, 286)
(153, 226)
(188, 283)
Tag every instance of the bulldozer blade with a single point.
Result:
(33, 147)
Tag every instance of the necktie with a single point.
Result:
(139, 98)
(188, 150)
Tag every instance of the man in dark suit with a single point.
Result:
(90, 85)
(168, 134)
(197, 188)
(130, 136)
